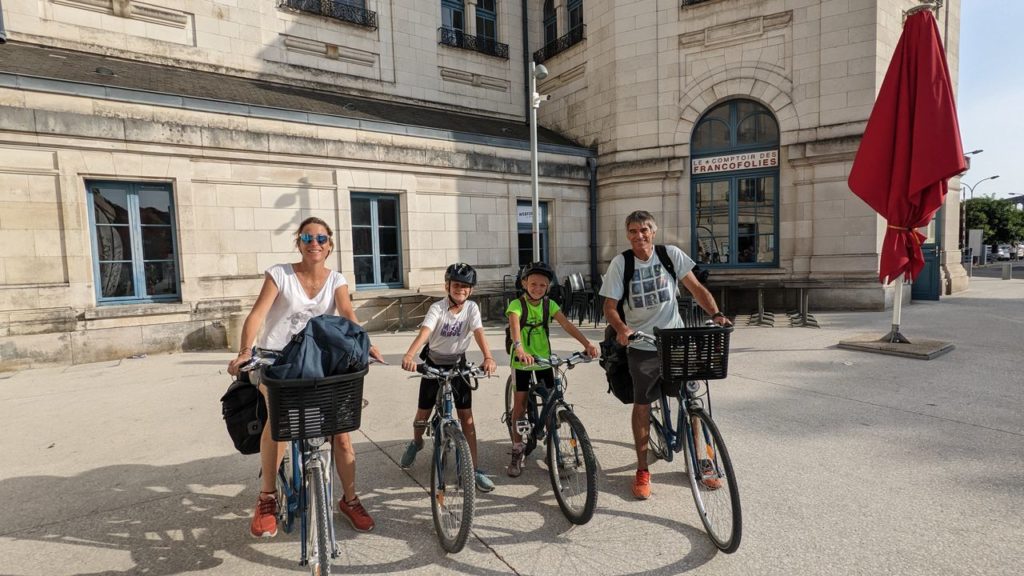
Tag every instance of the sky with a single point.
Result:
(990, 94)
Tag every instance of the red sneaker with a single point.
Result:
(356, 515)
(642, 485)
(264, 518)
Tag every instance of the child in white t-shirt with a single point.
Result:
(446, 329)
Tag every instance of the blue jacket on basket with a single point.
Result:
(329, 345)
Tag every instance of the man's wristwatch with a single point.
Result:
(718, 314)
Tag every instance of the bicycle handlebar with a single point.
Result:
(554, 361)
(467, 372)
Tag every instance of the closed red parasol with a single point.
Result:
(911, 148)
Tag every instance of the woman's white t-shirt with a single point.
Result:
(450, 334)
(293, 308)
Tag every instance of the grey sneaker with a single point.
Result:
(409, 456)
(515, 468)
(483, 483)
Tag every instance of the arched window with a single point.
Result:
(550, 22)
(734, 186)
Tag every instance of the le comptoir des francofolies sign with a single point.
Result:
(729, 162)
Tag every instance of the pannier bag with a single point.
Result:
(615, 362)
(245, 414)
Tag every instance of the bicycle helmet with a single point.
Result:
(460, 272)
(537, 268)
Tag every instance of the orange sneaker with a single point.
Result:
(642, 485)
(356, 515)
(709, 476)
(264, 518)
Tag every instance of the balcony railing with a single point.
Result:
(575, 36)
(692, 2)
(337, 9)
(459, 39)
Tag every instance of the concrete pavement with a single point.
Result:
(848, 463)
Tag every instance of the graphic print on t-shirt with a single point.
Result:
(452, 328)
(649, 288)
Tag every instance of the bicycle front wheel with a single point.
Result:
(714, 487)
(572, 466)
(318, 534)
(452, 488)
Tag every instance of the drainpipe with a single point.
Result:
(526, 63)
(592, 169)
(3, 32)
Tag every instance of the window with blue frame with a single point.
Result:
(550, 22)
(734, 186)
(376, 240)
(134, 242)
(575, 9)
(487, 21)
(453, 15)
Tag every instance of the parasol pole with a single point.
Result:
(894, 335)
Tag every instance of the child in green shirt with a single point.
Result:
(529, 339)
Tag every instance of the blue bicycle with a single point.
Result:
(689, 358)
(572, 465)
(452, 476)
(307, 413)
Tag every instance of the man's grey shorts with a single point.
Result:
(645, 369)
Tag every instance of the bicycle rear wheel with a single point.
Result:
(657, 445)
(452, 488)
(318, 534)
(572, 466)
(714, 487)
(288, 475)
(510, 396)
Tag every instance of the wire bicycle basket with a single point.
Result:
(693, 353)
(310, 407)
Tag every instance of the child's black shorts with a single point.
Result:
(545, 377)
(460, 390)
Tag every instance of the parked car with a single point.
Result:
(1020, 251)
(1002, 252)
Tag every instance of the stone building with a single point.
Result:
(155, 158)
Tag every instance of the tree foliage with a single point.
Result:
(1000, 220)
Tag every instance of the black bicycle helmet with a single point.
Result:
(460, 272)
(538, 268)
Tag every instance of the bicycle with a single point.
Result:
(452, 475)
(569, 451)
(689, 358)
(307, 413)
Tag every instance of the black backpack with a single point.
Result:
(545, 305)
(245, 413)
(614, 358)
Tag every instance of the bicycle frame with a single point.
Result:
(683, 428)
(539, 398)
(443, 414)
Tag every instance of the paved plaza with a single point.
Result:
(848, 463)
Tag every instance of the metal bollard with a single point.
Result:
(1007, 271)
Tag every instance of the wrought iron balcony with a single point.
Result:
(459, 39)
(337, 9)
(692, 2)
(575, 36)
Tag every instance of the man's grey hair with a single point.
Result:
(642, 217)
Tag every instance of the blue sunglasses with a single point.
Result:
(321, 239)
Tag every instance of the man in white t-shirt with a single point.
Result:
(650, 303)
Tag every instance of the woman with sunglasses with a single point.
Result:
(292, 294)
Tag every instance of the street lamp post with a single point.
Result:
(963, 209)
(537, 72)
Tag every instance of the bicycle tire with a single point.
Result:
(452, 489)
(287, 492)
(657, 445)
(719, 509)
(569, 448)
(319, 529)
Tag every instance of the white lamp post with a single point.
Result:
(537, 72)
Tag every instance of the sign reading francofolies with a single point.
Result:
(745, 161)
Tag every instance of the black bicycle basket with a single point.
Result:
(306, 408)
(693, 353)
